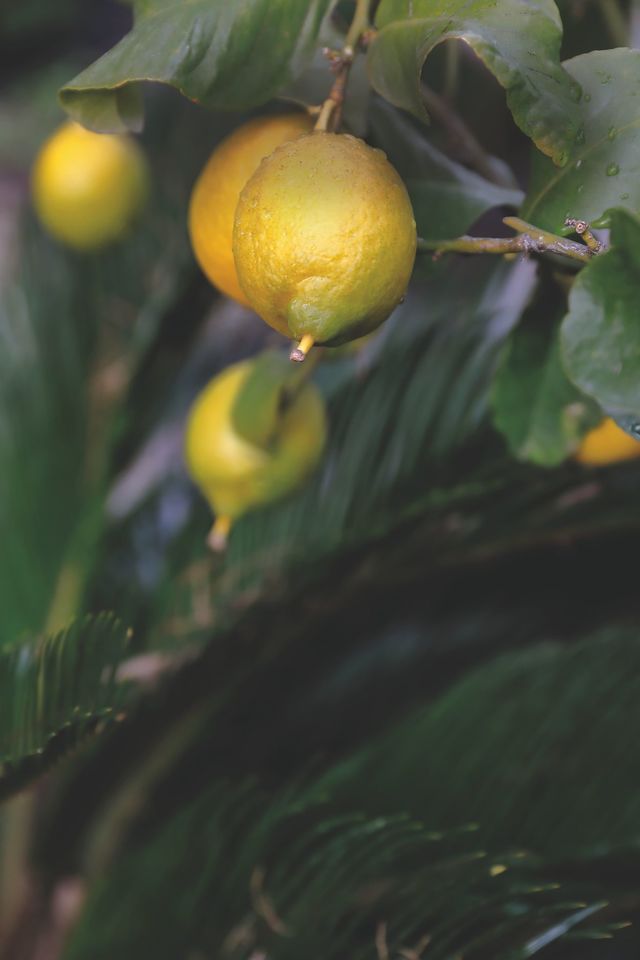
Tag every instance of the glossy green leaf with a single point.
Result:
(604, 170)
(53, 692)
(222, 55)
(601, 332)
(537, 408)
(517, 40)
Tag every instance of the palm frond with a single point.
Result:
(539, 747)
(239, 874)
(54, 691)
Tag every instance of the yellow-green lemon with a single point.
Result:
(253, 435)
(607, 443)
(89, 187)
(215, 195)
(324, 239)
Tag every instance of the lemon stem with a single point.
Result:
(329, 116)
(530, 239)
(300, 351)
(219, 534)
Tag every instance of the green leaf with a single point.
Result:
(446, 210)
(53, 692)
(262, 397)
(540, 412)
(239, 873)
(447, 197)
(539, 748)
(604, 170)
(601, 332)
(519, 42)
(223, 55)
(46, 339)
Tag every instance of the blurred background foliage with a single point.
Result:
(399, 717)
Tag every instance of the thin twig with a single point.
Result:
(329, 117)
(530, 240)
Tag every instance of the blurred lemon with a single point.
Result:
(607, 443)
(89, 187)
(215, 195)
(253, 435)
(324, 239)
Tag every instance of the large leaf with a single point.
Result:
(601, 332)
(604, 170)
(539, 410)
(240, 874)
(223, 55)
(53, 692)
(447, 197)
(72, 330)
(47, 333)
(538, 748)
(518, 40)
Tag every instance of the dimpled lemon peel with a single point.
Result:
(605, 444)
(254, 435)
(88, 188)
(214, 198)
(324, 240)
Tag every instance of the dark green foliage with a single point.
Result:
(542, 414)
(601, 334)
(400, 713)
(53, 692)
(303, 879)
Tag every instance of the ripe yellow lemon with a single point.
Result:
(324, 239)
(89, 187)
(215, 195)
(607, 443)
(253, 435)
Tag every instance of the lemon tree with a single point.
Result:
(326, 659)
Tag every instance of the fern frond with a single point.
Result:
(54, 691)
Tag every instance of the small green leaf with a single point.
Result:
(260, 401)
(540, 412)
(223, 55)
(519, 42)
(601, 332)
(604, 170)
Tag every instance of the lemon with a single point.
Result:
(324, 239)
(215, 195)
(607, 443)
(89, 187)
(242, 457)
